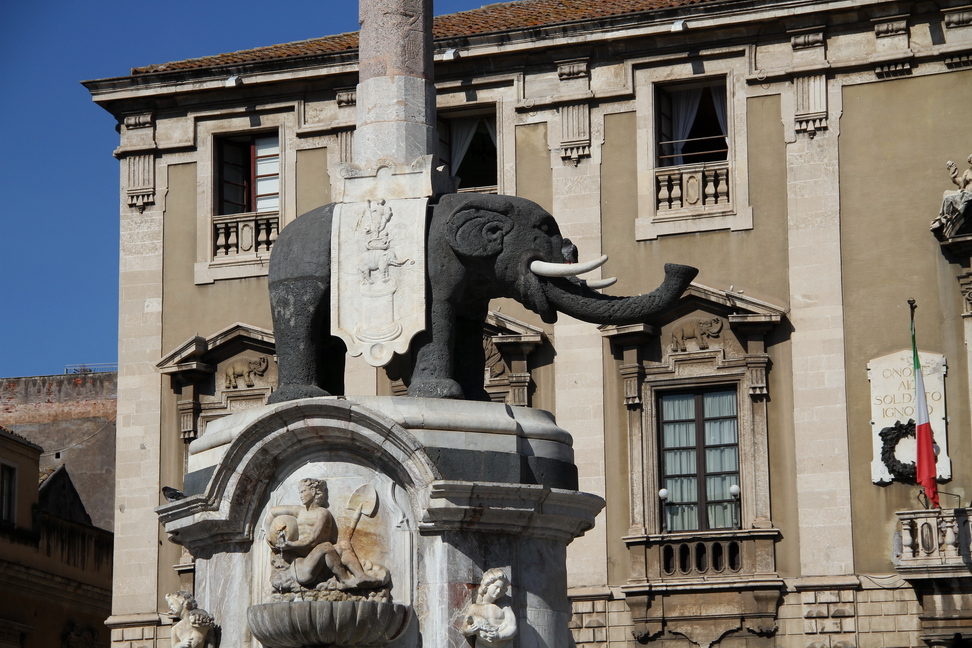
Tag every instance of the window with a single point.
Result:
(693, 146)
(8, 488)
(247, 195)
(699, 460)
(467, 146)
(691, 125)
(249, 174)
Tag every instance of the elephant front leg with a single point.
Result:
(298, 308)
(432, 375)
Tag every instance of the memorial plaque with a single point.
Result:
(893, 399)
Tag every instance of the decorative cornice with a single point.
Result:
(347, 97)
(142, 120)
(573, 68)
(515, 509)
(890, 26)
(807, 38)
(958, 17)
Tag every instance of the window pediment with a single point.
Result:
(231, 370)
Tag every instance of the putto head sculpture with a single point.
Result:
(479, 247)
(493, 624)
(180, 603)
(193, 627)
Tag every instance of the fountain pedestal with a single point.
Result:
(459, 487)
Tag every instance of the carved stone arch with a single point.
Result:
(241, 459)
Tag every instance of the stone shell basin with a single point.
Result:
(301, 624)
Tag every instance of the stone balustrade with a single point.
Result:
(693, 186)
(935, 543)
(702, 556)
(247, 234)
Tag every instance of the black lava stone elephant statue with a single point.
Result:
(479, 247)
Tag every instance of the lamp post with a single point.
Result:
(663, 496)
(734, 492)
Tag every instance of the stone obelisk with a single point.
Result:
(378, 240)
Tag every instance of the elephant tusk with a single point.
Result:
(545, 269)
(597, 284)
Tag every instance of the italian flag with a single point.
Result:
(925, 470)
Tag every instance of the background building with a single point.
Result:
(57, 447)
(795, 152)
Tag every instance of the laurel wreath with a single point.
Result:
(890, 436)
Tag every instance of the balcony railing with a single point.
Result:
(706, 556)
(935, 543)
(245, 234)
(692, 186)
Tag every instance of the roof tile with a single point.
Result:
(489, 19)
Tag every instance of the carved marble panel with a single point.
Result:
(378, 293)
(892, 401)
(370, 524)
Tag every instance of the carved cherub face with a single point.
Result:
(179, 602)
(312, 490)
(494, 586)
(495, 590)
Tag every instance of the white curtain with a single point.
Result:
(682, 517)
(685, 105)
(719, 101)
(721, 432)
(678, 408)
(721, 403)
(462, 131)
(680, 462)
(721, 460)
(490, 123)
(678, 435)
(721, 515)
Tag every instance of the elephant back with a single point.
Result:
(303, 248)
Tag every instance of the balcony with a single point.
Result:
(688, 189)
(683, 559)
(239, 237)
(684, 583)
(935, 543)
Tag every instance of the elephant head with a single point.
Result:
(518, 246)
(486, 246)
(711, 327)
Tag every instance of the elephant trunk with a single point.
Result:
(590, 306)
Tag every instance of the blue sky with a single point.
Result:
(58, 179)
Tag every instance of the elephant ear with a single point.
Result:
(477, 229)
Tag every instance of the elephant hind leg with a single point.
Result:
(299, 308)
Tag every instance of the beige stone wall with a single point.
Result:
(534, 181)
(618, 195)
(879, 611)
(891, 187)
(768, 179)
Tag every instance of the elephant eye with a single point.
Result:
(544, 227)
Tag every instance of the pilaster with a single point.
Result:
(816, 312)
(135, 568)
(578, 370)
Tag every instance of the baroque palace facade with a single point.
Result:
(793, 151)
